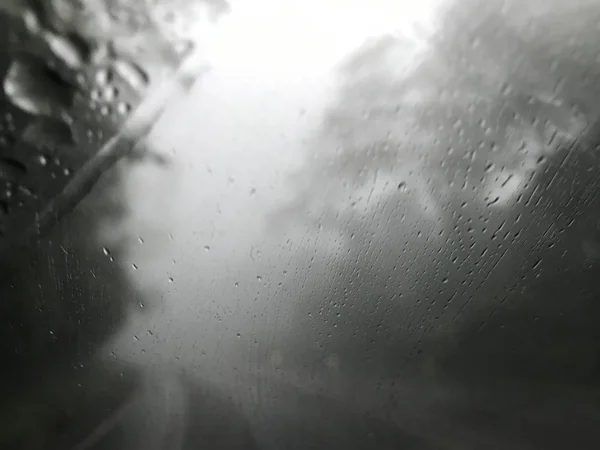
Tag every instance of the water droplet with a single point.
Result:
(31, 21)
(123, 108)
(132, 74)
(35, 88)
(25, 190)
(171, 280)
(43, 160)
(65, 50)
(239, 335)
(106, 251)
(103, 77)
(110, 93)
(258, 278)
(207, 248)
(135, 266)
(402, 187)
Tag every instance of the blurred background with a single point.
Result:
(291, 225)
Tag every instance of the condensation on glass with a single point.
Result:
(361, 225)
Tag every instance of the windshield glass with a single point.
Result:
(361, 224)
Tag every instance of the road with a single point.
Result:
(289, 411)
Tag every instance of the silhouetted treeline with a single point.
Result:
(61, 298)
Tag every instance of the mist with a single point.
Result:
(404, 213)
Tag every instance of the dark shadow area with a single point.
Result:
(65, 292)
(63, 297)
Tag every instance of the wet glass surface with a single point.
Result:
(354, 225)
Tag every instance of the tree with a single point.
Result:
(443, 173)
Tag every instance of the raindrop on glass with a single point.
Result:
(132, 74)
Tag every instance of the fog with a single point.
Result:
(208, 219)
(289, 146)
(381, 211)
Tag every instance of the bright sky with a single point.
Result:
(235, 140)
(304, 35)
